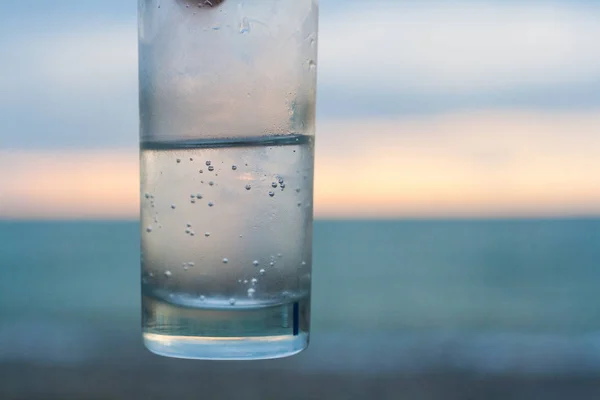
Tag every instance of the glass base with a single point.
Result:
(244, 348)
(274, 331)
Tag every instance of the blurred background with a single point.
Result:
(457, 241)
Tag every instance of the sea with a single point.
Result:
(518, 296)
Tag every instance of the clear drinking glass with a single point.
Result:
(227, 109)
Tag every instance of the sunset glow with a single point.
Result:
(483, 164)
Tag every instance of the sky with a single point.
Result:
(425, 109)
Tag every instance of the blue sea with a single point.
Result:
(489, 296)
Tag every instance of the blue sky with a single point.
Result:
(484, 107)
(68, 77)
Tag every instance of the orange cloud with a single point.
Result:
(68, 184)
(483, 164)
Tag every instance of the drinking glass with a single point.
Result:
(227, 124)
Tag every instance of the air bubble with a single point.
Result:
(298, 190)
(147, 195)
(199, 196)
(173, 206)
(192, 196)
(178, 160)
(254, 281)
(188, 231)
(272, 194)
(255, 263)
(245, 281)
(192, 233)
(234, 167)
(251, 292)
(282, 186)
(211, 183)
(188, 225)
(202, 298)
(168, 274)
(274, 184)
(210, 204)
(208, 163)
(248, 187)
(232, 301)
(279, 255)
(303, 263)
(191, 159)
(225, 261)
(281, 181)
(193, 201)
(149, 229)
(211, 168)
(262, 271)
(191, 264)
(207, 234)
(201, 171)
(272, 263)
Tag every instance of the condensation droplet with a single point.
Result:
(251, 292)
(147, 195)
(168, 274)
(202, 298)
(210, 204)
(208, 163)
(282, 186)
(188, 225)
(279, 255)
(255, 263)
(272, 194)
(149, 229)
(232, 301)
(207, 234)
(225, 261)
(191, 264)
(192, 196)
(178, 160)
(173, 206)
(254, 281)
(192, 233)
(211, 168)
(262, 272)
(211, 183)
(303, 263)
(248, 187)
(199, 196)
(245, 281)
(244, 25)
(188, 230)
(201, 171)
(193, 201)
(281, 181)
(234, 167)
(298, 190)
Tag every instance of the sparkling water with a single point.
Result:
(226, 245)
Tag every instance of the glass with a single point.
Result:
(227, 110)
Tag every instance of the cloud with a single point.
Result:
(72, 86)
(482, 164)
(438, 47)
